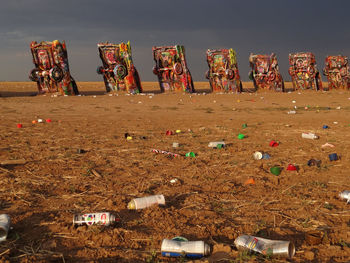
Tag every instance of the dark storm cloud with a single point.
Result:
(257, 26)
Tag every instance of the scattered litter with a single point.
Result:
(249, 181)
(295, 107)
(291, 167)
(276, 170)
(34, 121)
(338, 108)
(174, 181)
(314, 162)
(266, 156)
(179, 247)
(165, 152)
(241, 136)
(244, 125)
(273, 143)
(265, 246)
(257, 155)
(309, 135)
(48, 120)
(190, 154)
(40, 120)
(325, 127)
(335, 122)
(345, 195)
(147, 201)
(88, 219)
(129, 138)
(19, 125)
(333, 157)
(178, 131)
(293, 101)
(216, 144)
(5, 222)
(176, 144)
(327, 145)
(168, 133)
(291, 112)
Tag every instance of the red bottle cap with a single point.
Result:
(274, 144)
(48, 120)
(169, 133)
(291, 167)
(19, 125)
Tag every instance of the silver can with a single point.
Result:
(5, 222)
(266, 247)
(88, 219)
(178, 248)
(345, 195)
(147, 201)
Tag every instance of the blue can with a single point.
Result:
(266, 156)
(333, 157)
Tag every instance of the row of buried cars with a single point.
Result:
(52, 73)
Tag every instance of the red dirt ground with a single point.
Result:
(210, 200)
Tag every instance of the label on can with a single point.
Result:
(92, 219)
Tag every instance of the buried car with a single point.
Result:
(303, 71)
(118, 70)
(265, 72)
(171, 69)
(51, 72)
(223, 74)
(337, 71)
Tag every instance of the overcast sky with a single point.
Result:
(258, 26)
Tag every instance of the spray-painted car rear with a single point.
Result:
(171, 69)
(223, 74)
(303, 70)
(51, 72)
(118, 70)
(265, 72)
(337, 72)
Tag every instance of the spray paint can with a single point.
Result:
(215, 144)
(147, 201)
(88, 219)
(5, 222)
(345, 195)
(309, 135)
(266, 247)
(178, 247)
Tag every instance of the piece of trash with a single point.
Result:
(293, 101)
(129, 138)
(266, 247)
(249, 181)
(291, 167)
(327, 145)
(241, 136)
(40, 120)
(244, 125)
(165, 152)
(266, 156)
(216, 144)
(190, 154)
(34, 121)
(275, 170)
(88, 219)
(314, 162)
(273, 143)
(345, 195)
(48, 120)
(168, 133)
(309, 135)
(291, 112)
(325, 127)
(178, 131)
(173, 181)
(19, 125)
(333, 157)
(179, 247)
(335, 122)
(176, 144)
(338, 108)
(257, 155)
(147, 201)
(5, 222)
(295, 107)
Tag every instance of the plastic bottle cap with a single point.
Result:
(190, 154)
(241, 136)
(129, 138)
(131, 205)
(275, 170)
(257, 155)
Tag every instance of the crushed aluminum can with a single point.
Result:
(147, 201)
(266, 247)
(165, 152)
(178, 247)
(88, 219)
(5, 222)
(345, 195)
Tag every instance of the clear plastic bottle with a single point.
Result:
(88, 219)
(191, 249)
(147, 201)
(5, 222)
(309, 136)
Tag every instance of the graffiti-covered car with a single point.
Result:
(265, 72)
(171, 69)
(118, 70)
(304, 72)
(51, 72)
(337, 71)
(223, 74)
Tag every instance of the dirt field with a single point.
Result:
(210, 201)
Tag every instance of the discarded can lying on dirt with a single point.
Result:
(5, 222)
(345, 195)
(147, 201)
(215, 144)
(333, 157)
(165, 152)
(179, 246)
(266, 247)
(88, 219)
(309, 136)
